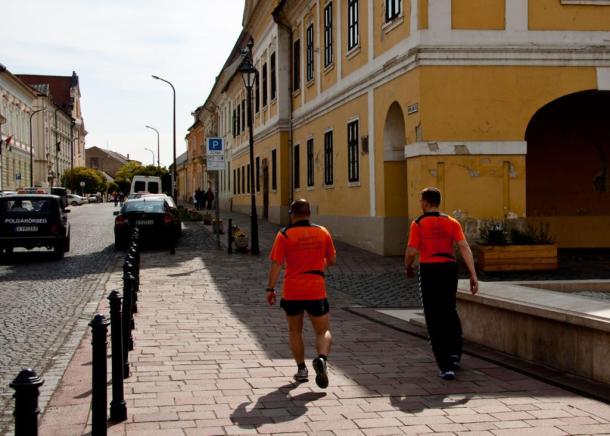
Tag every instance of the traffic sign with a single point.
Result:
(215, 147)
(216, 163)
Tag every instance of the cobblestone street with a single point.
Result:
(45, 304)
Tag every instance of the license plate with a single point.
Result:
(145, 222)
(26, 229)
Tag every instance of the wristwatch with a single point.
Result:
(270, 290)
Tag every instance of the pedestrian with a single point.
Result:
(307, 250)
(200, 198)
(194, 198)
(115, 198)
(433, 236)
(209, 197)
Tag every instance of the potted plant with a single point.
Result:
(207, 218)
(217, 226)
(506, 247)
(195, 216)
(241, 240)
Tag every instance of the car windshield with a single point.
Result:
(19, 205)
(144, 206)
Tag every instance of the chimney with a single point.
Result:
(127, 156)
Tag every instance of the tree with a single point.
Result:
(94, 180)
(125, 175)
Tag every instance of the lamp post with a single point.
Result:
(2, 121)
(248, 73)
(174, 175)
(32, 147)
(152, 152)
(158, 149)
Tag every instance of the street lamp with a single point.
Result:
(158, 149)
(174, 176)
(32, 147)
(248, 73)
(152, 152)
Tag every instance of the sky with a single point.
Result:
(115, 46)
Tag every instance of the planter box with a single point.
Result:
(517, 257)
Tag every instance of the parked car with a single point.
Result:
(34, 220)
(153, 217)
(173, 208)
(5, 193)
(76, 200)
(93, 199)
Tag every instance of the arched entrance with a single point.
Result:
(568, 169)
(395, 180)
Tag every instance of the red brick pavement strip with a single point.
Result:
(211, 358)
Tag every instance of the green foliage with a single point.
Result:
(501, 233)
(494, 233)
(94, 180)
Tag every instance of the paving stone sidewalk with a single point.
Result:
(212, 358)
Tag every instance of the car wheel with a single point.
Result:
(118, 245)
(59, 250)
(74, 203)
(67, 244)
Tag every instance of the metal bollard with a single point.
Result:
(26, 386)
(230, 236)
(129, 268)
(99, 396)
(134, 270)
(127, 321)
(118, 407)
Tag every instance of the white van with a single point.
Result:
(150, 184)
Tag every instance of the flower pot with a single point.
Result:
(539, 257)
(217, 226)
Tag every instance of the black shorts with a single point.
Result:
(313, 307)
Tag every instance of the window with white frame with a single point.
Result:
(296, 65)
(353, 163)
(352, 24)
(392, 9)
(273, 78)
(328, 34)
(265, 84)
(310, 169)
(309, 53)
(328, 158)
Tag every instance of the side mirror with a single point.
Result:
(66, 210)
(115, 213)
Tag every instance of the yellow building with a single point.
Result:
(502, 104)
(195, 165)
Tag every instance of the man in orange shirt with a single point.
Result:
(433, 235)
(307, 250)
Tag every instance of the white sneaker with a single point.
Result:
(447, 375)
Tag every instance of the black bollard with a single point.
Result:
(26, 386)
(127, 321)
(99, 396)
(230, 236)
(130, 269)
(118, 407)
(134, 270)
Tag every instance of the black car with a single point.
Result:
(153, 217)
(34, 220)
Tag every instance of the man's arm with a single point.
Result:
(410, 255)
(330, 261)
(274, 273)
(469, 261)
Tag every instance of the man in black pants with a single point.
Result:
(433, 235)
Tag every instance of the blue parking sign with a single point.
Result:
(215, 146)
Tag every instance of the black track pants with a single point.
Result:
(438, 285)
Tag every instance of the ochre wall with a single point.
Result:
(388, 35)
(492, 103)
(341, 199)
(552, 15)
(422, 14)
(483, 187)
(478, 14)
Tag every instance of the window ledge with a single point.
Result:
(388, 26)
(274, 191)
(586, 2)
(329, 67)
(329, 186)
(297, 189)
(354, 51)
(353, 184)
(296, 92)
(273, 101)
(311, 188)
(310, 83)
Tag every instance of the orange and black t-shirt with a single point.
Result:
(304, 247)
(433, 235)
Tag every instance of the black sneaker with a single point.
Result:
(302, 375)
(319, 365)
(447, 375)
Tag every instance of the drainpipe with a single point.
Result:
(276, 17)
